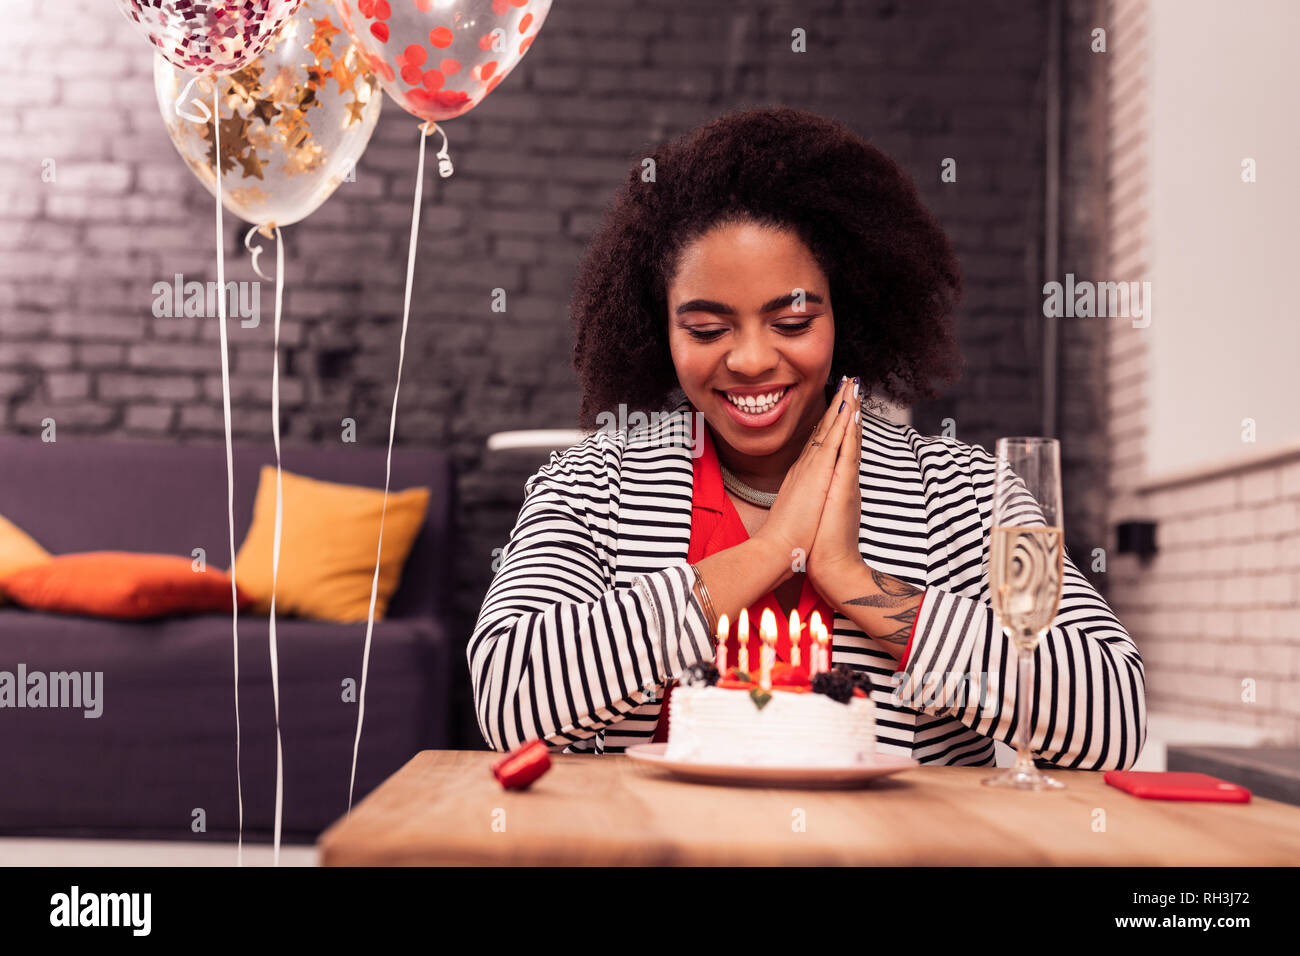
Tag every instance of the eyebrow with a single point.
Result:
(719, 308)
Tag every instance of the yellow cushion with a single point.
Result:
(18, 549)
(328, 539)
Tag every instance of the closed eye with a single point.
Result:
(795, 327)
(786, 328)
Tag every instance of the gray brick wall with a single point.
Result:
(535, 165)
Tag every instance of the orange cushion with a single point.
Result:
(17, 549)
(328, 541)
(120, 584)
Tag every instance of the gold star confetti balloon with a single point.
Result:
(438, 59)
(293, 122)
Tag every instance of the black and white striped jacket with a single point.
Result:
(591, 611)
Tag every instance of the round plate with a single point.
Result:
(854, 775)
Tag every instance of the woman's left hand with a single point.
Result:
(834, 553)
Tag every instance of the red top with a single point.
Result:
(716, 526)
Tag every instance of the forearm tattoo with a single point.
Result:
(895, 595)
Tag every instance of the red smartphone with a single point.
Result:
(1169, 785)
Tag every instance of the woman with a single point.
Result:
(764, 276)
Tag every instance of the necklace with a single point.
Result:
(744, 492)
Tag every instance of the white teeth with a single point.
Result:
(756, 404)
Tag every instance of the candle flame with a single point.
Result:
(815, 622)
(742, 624)
(724, 626)
(767, 626)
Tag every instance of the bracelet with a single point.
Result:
(706, 601)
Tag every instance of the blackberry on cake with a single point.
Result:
(704, 675)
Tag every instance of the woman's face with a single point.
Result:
(748, 355)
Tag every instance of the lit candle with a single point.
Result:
(823, 650)
(767, 658)
(794, 638)
(724, 626)
(742, 634)
(814, 637)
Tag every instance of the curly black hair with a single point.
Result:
(893, 275)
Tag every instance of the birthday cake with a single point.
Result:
(826, 721)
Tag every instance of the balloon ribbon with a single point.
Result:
(230, 453)
(425, 130)
(272, 231)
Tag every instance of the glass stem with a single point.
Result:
(1024, 759)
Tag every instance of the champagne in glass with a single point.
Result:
(1026, 563)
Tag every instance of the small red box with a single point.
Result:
(519, 768)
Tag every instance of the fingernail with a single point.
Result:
(857, 380)
(855, 387)
(857, 418)
(840, 409)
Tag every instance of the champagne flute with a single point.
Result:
(1026, 563)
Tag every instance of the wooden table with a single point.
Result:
(444, 807)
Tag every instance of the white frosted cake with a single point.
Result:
(715, 725)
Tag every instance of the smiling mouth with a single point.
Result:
(758, 404)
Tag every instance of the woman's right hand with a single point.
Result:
(791, 524)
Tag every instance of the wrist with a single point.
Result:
(774, 556)
(842, 581)
(701, 592)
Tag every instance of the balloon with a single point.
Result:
(209, 36)
(439, 58)
(293, 122)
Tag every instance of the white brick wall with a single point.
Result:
(1219, 605)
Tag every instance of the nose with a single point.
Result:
(752, 355)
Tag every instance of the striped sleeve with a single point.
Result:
(1088, 710)
(558, 652)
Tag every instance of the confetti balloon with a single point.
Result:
(209, 36)
(439, 58)
(293, 122)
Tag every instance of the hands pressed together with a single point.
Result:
(813, 526)
(818, 509)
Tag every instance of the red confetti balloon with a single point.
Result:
(438, 60)
(209, 36)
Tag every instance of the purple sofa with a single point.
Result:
(164, 745)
